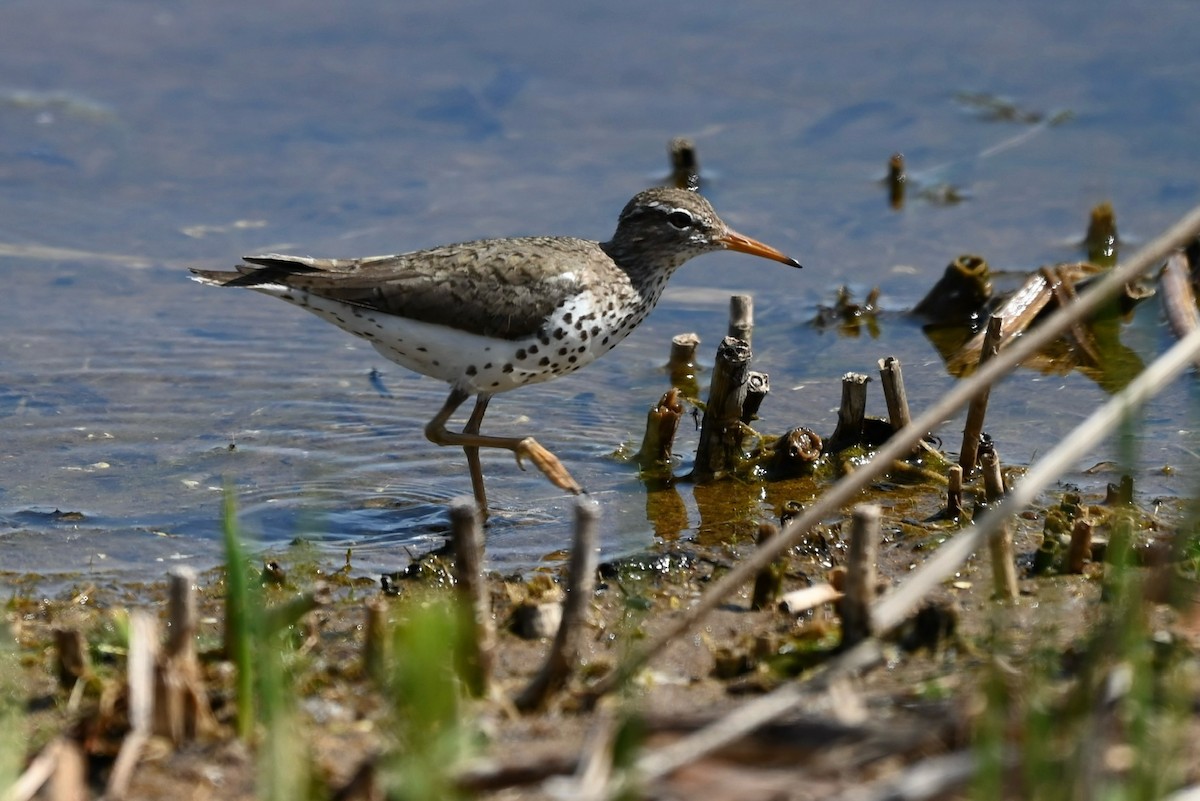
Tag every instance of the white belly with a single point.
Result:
(469, 361)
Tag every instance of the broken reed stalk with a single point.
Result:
(467, 535)
(536, 620)
(993, 479)
(1101, 237)
(855, 605)
(1004, 568)
(969, 455)
(894, 607)
(181, 612)
(1047, 554)
(852, 414)
(892, 379)
(1121, 493)
(375, 638)
(797, 453)
(954, 490)
(662, 422)
(581, 581)
(799, 601)
(768, 581)
(682, 366)
(181, 704)
(685, 164)
(1080, 549)
(741, 317)
(74, 663)
(720, 447)
(757, 386)
(896, 181)
(143, 654)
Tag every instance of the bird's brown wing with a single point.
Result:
(503, 287)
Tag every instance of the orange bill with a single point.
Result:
(744, 244)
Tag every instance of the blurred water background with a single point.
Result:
(138, 137)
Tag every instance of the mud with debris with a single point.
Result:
(962, 665)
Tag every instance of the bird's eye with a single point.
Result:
(681, 219)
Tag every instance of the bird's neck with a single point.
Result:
(648, 271)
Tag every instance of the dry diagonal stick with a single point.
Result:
(901, 443)
(894, 607)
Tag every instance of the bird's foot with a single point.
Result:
(547, 462)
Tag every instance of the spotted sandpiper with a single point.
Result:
(496, 314)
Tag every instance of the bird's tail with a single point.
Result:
(213, 277)
(256, 271)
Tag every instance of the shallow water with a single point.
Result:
(137, 138)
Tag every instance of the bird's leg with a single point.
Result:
(522, 447)
(472, 452)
